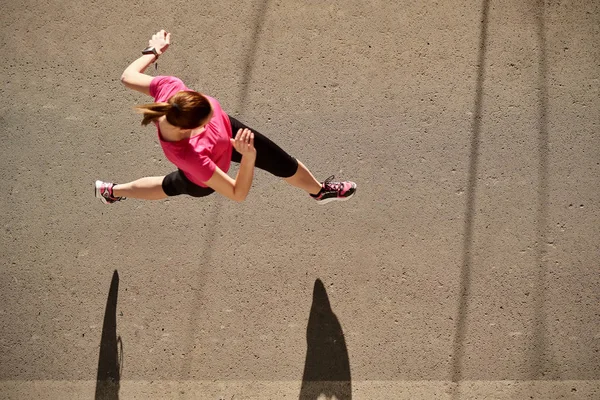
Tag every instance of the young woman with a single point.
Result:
(201, 140)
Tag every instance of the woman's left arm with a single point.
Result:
(134, 77)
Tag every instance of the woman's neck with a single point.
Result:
(172, 133)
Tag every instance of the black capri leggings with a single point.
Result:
(269, 157)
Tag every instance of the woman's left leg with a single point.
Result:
(273, 159)
(303, 179)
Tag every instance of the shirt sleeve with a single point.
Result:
(163, 87)
(199, 170)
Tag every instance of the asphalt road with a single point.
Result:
(466, 267)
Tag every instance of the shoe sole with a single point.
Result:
(323, 202)
(97, 192)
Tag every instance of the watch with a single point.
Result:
(150, 50)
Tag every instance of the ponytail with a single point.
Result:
(153, 111)
(185, 109)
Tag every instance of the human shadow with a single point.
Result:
(109, 363)
(327, 368)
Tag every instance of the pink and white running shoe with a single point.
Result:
(104, 191)
(332, 191)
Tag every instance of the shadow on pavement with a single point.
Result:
(109, 363)
(213, 224)
(327, 368)
(456, 373)
(541, 360)
(250, 57)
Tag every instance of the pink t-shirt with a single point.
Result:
(199, 155)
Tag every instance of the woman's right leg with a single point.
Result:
(151, 188)
(148, 188)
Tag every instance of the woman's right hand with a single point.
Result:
(160, 41)
(244, 142)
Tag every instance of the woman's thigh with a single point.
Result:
(269, 156)
(176, 183)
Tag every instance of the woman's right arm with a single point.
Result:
(134, 77)
(237, 189)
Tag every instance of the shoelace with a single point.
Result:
(334, 186)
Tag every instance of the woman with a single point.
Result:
(197, 136)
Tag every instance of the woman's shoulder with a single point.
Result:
(214, 103)
(163, 87)
(166, 80)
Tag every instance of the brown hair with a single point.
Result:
(186, 110)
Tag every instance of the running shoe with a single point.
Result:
(104, 191)
(332, 191)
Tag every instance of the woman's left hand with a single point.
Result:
(160, 41)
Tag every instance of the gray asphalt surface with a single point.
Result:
(467, 265)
